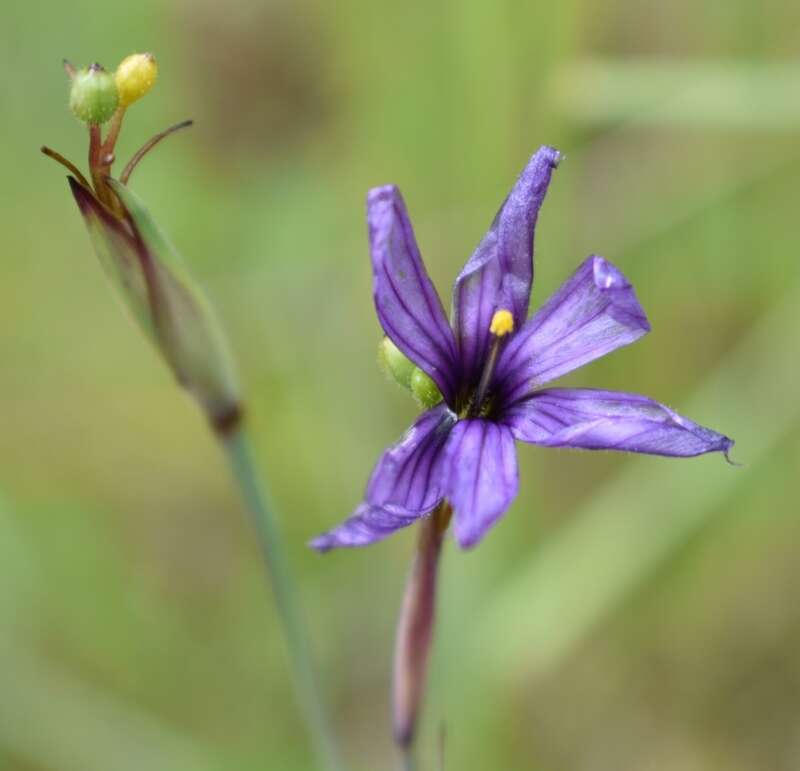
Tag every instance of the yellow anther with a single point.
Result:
(135, 76)
(502, 323)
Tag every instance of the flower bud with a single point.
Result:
(168, 305)
(135, 76)
(94, 97)
(424, 389)
(395, 363)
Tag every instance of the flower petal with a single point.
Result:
(592, 314)
(368, 525)
(481, 477)
(609, 420)
(407, 478)
(500, 272)
(405, 485)
(408, 307)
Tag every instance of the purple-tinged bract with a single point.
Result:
(491, 366)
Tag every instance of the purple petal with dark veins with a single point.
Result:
(592, 314)
(408, 307)
(609, 420)
(481, 476)
(407, 478)
(406, 484)
(500, 272)
(368, 525)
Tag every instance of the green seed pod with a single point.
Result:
(94, 96)
(395, 363)
(424, 389)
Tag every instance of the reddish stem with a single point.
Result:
(415, 628)
(113, 134)
(95, 165)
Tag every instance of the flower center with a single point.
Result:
(502, 325)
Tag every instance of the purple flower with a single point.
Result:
(491, 367)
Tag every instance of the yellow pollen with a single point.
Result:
(502, 323)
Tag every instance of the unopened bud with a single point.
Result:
(94, 97)
(171, 309)
(135, 76)
(395, 363)
(424, 389)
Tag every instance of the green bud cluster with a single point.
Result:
(94, 96)
(405, 373)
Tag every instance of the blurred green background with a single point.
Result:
(629, 613)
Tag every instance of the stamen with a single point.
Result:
(502, 324)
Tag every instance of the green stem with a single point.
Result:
(240, 459)
(407, 759)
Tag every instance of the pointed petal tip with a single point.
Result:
(607, 275)
(725, 448)
(550, 155)
(609, 278)
(467, 540)
(381, 194)
(321, 544)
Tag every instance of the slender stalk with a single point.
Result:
(239, 456)
(415, 633)
(407, 759)
(73, 169)
(149, 145)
